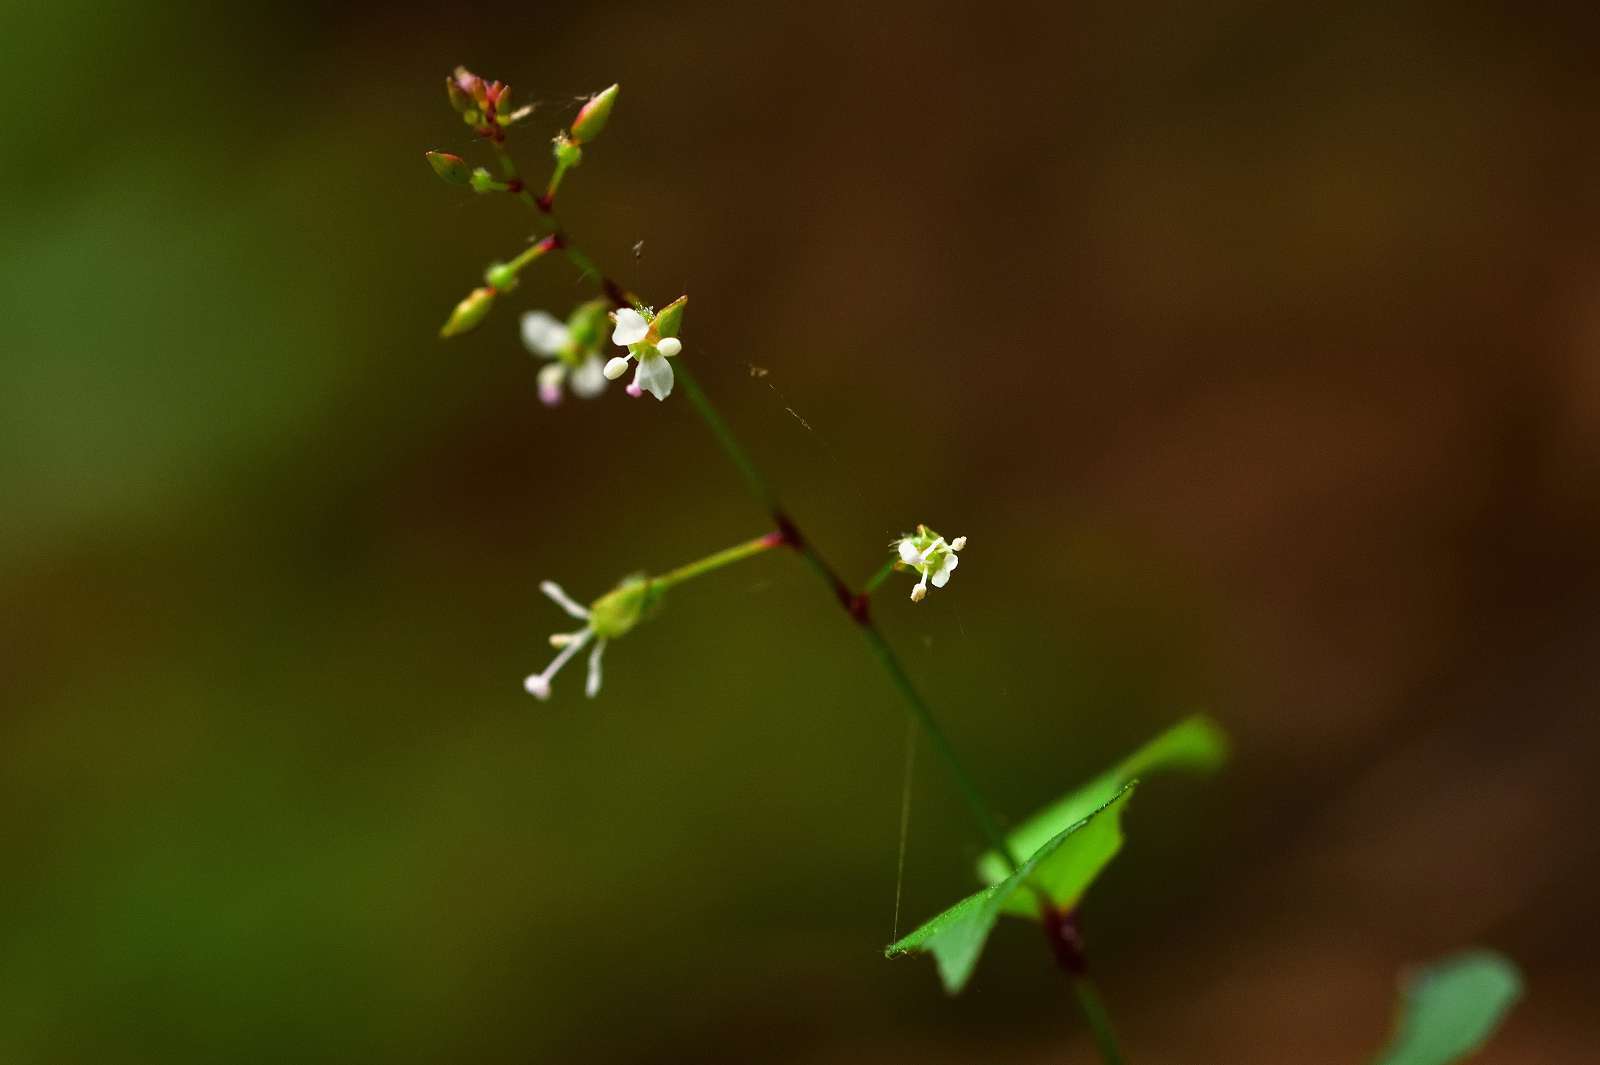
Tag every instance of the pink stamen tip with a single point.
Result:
(634, 390)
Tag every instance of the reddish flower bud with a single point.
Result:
(592, 117)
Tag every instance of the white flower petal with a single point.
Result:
(563, 600)
(550, 377)
(941, 576)
(616, 367)
(669, 346)
(589, 379)
(543, 334)
(909, 553)
(655, 377)
(631, 327)
(591, 687)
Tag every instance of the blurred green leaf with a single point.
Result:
(1449, 1009)
(1195, 743)
(956, 937)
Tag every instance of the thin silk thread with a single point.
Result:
(905, 824)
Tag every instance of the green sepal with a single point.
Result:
(669, 320)
(619, 610)
(1448, 1010)
(956, 937)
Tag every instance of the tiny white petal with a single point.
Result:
(591, 687)
(589, 379)
(631, 327)
(909, 553)
(655, 377)
(543, 334)
(616, 367)
(538, 686)
(563, 600)
(942, 576)
(669, 346)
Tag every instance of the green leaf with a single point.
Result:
(1449, 1009)
(956, 937)
(1195, 743)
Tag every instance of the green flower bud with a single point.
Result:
(458, 88)
(619, 610)
(669, 319)
(588, 325)
(592, 117)
(483, 181)
(469, 312)
(450, 168)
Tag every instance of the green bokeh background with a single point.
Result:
(1254, 348)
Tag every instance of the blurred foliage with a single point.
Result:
(1450, 1008)
(1210, 327)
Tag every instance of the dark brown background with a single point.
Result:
(1255, 348)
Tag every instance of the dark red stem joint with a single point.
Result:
(855, 604)
(1066, 939)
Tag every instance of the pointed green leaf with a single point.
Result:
(1448, 1010)
(1195, 743)
(956, 937)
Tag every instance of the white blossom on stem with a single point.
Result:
(930, 556)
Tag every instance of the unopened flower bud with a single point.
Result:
(592, 117)
(458, 87)
(483, 181)
(469, 312)
(451, 168)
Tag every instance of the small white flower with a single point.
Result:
(928, 553)
(543, 334)
(569, 644)
(653, 374)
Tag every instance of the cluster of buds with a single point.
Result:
(651, 338)
(573, 348)
(607, 618)
(930, 556)
(483, 105)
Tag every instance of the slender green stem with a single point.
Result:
(878, 578)
(939, 741)
(726, 557)
(532, 253)
(856, 605)
(918, 706)
(725, 439)
(1094, 1011)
